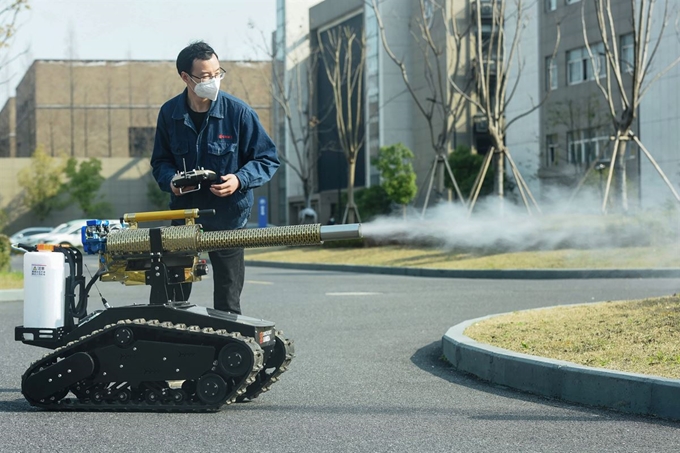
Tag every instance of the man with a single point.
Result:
(204, 127)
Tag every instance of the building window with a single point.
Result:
(550, 5)
(141, 141)
(627, 53)
(575, 66)
(551, 147)
(579, 66)
(550, 74)
(586, 145)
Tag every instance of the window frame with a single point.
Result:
(551, 150)
(584, 65)
(586, 145)
(551, 73)
(628, 65)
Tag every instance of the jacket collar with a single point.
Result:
(181, 111)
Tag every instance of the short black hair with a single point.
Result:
(196, 50)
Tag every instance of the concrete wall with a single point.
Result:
(125, 189)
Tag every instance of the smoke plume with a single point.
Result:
(449, 226)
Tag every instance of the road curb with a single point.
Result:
(625, 392)
(516, 274)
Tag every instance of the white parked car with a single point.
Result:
(57, 232)
(69, 233)
(22, 236)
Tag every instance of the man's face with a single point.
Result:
(201, 71)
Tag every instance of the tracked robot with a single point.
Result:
(168, 355)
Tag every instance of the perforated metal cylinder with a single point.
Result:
(260, 237)
(190, 238)
(183, 238)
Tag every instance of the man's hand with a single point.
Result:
(229, 185)
(176, 190)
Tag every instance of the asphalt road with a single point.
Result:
(368, 377)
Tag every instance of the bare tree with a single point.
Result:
(343, 51)
(495, 53)
(293, 95)
(437, 103)
(9, 12)
(625, 82)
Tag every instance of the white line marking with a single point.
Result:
(258, 282)
(353, 293)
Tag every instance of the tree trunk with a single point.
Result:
(499, 177)
(440, 177)
(351, 208)
(306, 183)
(620, 173)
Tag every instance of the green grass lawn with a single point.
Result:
(606, 258)
(635, 336)
(11, 280)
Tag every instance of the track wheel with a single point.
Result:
(211, 388)
(151, 396)
(178, 395)
(124, 337)
(124, 396)
(98, 397)
(235, 359)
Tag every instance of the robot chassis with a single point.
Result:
(165, 356)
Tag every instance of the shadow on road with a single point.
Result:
(17, 405)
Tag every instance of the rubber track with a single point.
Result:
(264, 381)
(191, 404)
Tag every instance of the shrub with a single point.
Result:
(466, 166)
(4, 253)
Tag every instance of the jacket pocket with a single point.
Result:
(178, 145)
(221, 148)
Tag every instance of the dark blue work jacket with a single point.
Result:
(231, 140)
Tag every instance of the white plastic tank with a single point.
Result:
(44, 289)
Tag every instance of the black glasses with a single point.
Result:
(218, 76)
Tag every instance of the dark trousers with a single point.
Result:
(228, 276)
(229, 272)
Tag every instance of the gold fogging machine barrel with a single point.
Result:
(190, 238)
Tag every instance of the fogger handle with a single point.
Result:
(155, 216)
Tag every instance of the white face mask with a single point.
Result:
(209, 89)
